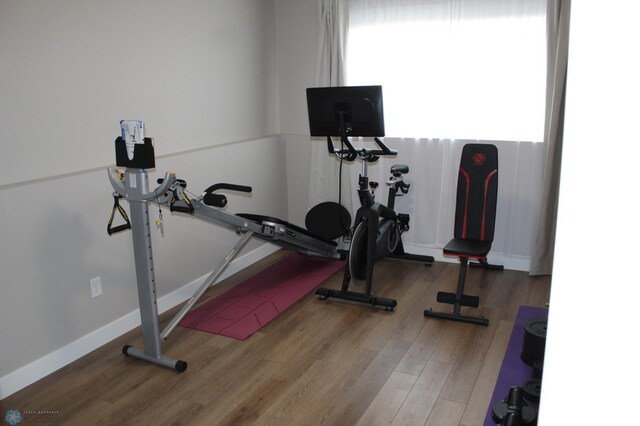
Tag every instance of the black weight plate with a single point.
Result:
(537, 368)
(527, 358)
(533, 343)
(531, 389)
(500, 410)
(529, 415)
(537, 328)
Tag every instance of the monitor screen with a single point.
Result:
(345, 111)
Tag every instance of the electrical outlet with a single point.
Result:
(96, 287)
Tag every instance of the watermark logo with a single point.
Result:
(13, 417)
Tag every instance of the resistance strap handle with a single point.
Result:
(116, 206)
(179, 195)
(181, 209)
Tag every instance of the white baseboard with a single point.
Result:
(36, 370)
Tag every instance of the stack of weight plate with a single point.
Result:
(535, 334)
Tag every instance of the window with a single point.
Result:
(453, 69)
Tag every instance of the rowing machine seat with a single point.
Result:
(291, 228)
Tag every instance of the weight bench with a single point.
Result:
(476, 200)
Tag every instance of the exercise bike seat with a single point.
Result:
(399, 169)
(290, 226)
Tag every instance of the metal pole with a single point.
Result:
(207, 283)
(137, 193)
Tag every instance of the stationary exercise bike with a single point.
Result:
(357, 111)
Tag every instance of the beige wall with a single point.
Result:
(202, 75)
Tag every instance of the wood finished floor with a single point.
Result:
(318, 363)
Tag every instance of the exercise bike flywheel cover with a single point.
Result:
(329, 220)
(358, 252)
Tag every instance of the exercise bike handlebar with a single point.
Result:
(350, 153)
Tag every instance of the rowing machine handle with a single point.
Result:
(229, 186)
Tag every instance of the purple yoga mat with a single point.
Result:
(514, 372)
(249, 306)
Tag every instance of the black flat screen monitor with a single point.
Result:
(345, 111)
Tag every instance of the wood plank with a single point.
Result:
(301, 392)
(388, 401)
(476, 407)
(87, 413)
(427, 282)
(422, 347)
(409, 304)
(468, 361)
(423, 396)
(454, 339)
(230, 395)
(446, 413)
(178, 412)
(364, 390)
(342, 379)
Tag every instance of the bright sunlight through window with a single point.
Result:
(454, 79)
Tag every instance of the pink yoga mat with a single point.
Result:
(249, 306)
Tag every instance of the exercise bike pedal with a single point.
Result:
(465, 300)
(403, 221)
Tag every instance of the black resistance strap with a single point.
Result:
(119, 208)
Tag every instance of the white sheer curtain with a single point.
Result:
(437, 128)
(558, 12)
(326, 175)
